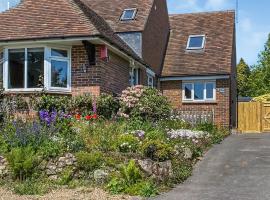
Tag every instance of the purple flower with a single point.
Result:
(94, 104)
(47, 117)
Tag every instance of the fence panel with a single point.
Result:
(250, 117)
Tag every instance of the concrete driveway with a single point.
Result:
(237, 169)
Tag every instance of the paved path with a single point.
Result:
(238, 169)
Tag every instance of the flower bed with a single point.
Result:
(141, 154)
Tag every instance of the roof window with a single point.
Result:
(196, 42)
(128, 14)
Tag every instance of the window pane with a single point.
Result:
(16, 68)
(198, 91)
(210, 90)
(188, 91)
(59, 53)
(59, 70)
(196, 42)
(35, 67)
(128, 14)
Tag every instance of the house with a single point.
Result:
(73, 47)
(199, 73)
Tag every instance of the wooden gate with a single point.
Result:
(254, 117)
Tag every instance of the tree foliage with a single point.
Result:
(243, 73)
(257, 81)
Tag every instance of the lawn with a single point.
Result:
(131, 145)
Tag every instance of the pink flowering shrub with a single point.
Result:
(144, 103)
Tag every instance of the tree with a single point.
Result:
(260, 75)
(243, 73)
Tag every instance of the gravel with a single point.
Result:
(67, 194)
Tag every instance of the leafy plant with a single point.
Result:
(127, 143)
(107, 106)
(22, 161)
(131, 173)
(66, 176)
(143, 188)
(89, 161)
(31, 187)
(157, 150)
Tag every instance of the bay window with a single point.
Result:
(199, 91)
(37, 68)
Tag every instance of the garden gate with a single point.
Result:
(254, 117)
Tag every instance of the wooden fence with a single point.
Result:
(254, 117)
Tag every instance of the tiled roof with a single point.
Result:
(41, 19)
(216, 58)
(112, 10)
(44, 19)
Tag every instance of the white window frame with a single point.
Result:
(205, 99)
(133, 16)
(134, 76)
(150, 80)
(195, 48)
(47, 68)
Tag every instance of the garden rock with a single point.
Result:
(3, 167)
(55, 166)
(100, 176)
(187, 153)
(158, 170)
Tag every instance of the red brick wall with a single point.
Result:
(109, 76)
(81, 81)
(155, 35)
(173, 90)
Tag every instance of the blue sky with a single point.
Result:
(253, 24)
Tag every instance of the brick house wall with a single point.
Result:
(107, 76)
(173, 90)
(156, 36)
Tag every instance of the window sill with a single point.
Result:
(67, 92)
(199, 102)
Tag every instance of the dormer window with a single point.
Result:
(129, 14)
(196, 42)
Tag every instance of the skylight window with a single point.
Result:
(196, 42)
(8, 4)
(129, 14)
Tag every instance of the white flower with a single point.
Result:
(188, 134)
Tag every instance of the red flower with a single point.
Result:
(95, 116)
(88, 117)
(78, 116)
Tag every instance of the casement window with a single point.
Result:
(134, 76)
(199, 91)
(37, 68)
(128, 14)
(196, 42)
(150, 80)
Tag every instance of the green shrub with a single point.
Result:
(156, 134)
(82, 104)
(89, 161)
(128, 143)
(107, 106)
(157, 150)
(116, 185)
(143, 188)
(131, 173)
(174, 124)
(66, 176)
(31, 187)
(22, 161)
(181, 171)
(152, 106)
(50, 149)
(144, 103)
(50, 103)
